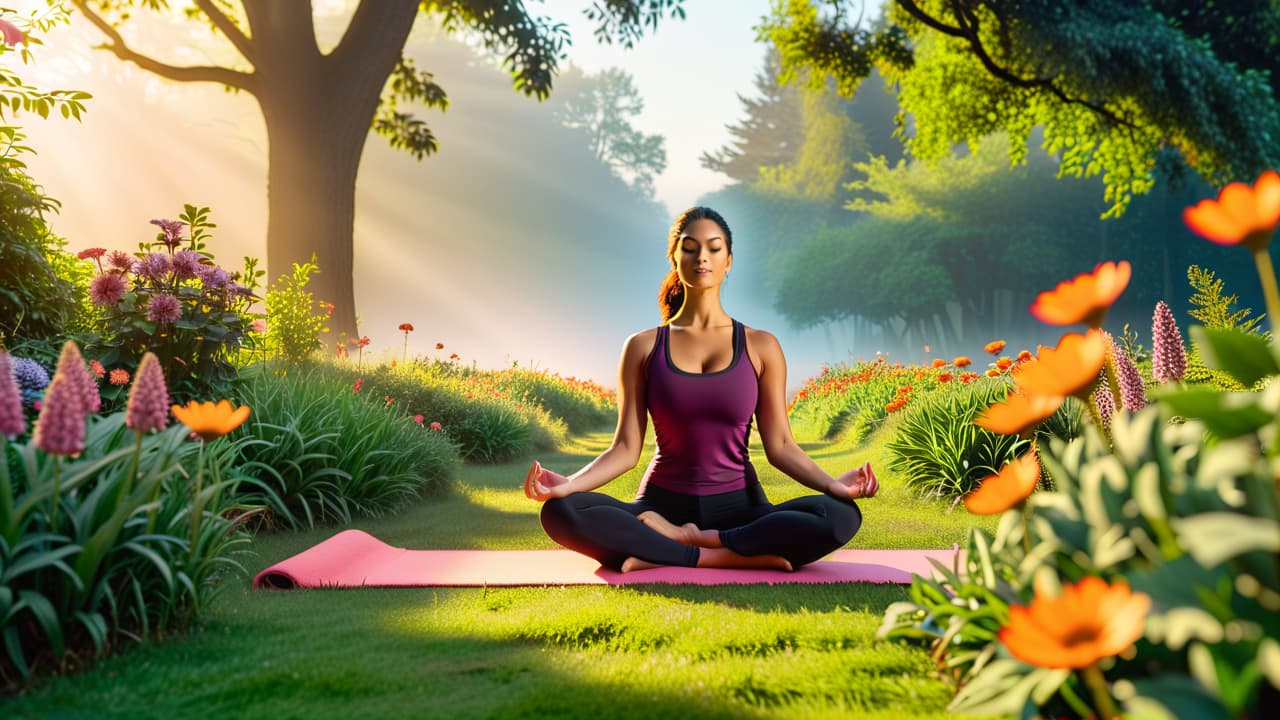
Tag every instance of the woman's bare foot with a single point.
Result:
(687, 534)
(635, 563)
(726, 558)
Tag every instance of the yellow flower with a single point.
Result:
(1087, 622)
(210, 420)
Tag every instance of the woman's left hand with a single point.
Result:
(857, 483)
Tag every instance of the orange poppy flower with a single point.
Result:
(1007, 488)
(939, 362)
(1004, 363)
(961, 361)
(1084, 298)
(1018, 413)
(1024, 355)
(1087, 622)
(1069, 369)
(945, 377)
(1242, 215)
(209, 420)
(994, 347)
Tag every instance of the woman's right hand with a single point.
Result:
(542, 484)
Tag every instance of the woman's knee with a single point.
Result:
(846, 519)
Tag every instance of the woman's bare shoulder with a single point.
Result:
(762, 347)
(638, 345)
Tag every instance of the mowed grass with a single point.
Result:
(780, 651)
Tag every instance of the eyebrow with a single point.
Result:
(690, 237)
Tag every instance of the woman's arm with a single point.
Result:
(633, 421)
(780, 446)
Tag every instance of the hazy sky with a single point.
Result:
(507, 245)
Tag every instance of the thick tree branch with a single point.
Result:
(228, 28)
(968, 30)
(368, 25)
(121, 50)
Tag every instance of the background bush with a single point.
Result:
(319, 451)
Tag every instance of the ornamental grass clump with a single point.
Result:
(1145, 582)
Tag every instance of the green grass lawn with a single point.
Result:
(782, 651)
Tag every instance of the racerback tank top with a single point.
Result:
(701, 421)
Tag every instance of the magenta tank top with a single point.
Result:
(701, 421)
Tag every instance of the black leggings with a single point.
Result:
(801, 530)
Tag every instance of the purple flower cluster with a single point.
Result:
(186, 263)
(60, 429)
(1133, 397)
(154, 268)
(163, 308)
(170, 232)
(32, 378)
(1168, 355)
(107, 289)
(71, 365)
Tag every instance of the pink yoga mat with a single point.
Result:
(353, 558)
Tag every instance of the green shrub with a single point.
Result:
(294, 320)
(852, 398)
(320, 452)
(106, 567)
(937, 447)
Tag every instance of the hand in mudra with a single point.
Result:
(542, 484)
(857, 483)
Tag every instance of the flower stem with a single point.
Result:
(197, 510)
(7, 522)
(1101, 696)
(57, 479)
(1267, 274)
(1026, 529)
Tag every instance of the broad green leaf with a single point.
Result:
(1226, 414)
(1213, 538)
(1172, 696)
(1244, 356)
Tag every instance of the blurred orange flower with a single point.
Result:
(1004, 363)
(1007, 488)
(1069, 369)
(961, 361)
(210, 420)
(1242, 215)
(1084, 298)
(945, 377)
(1018, 413)
(439, 346)
(994, 347)
(992, 372)
(1024, 355)
(1087, 622)
(939, 362)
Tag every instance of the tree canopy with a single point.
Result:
(1121, 89)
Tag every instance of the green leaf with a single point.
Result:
(1225, 414)
(1213, 538)
(1172, 696)
(1244, 356)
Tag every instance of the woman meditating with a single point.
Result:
(701, 376)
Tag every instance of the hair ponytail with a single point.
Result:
(671, 292)
(670, 296)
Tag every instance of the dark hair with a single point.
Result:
(671, 293)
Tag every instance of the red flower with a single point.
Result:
(994, 347)
(992, 372)
(118, 376)
(1004, 363)
(945, 377)
(407, 327)
(97, 368)
(453, 356)
(418, 419)
(91, 253)
(439, 346)
(359, 384)
(435, 426)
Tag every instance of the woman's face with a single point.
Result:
(702, 255)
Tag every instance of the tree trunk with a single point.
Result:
(318, 110)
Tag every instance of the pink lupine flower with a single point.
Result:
(163, 308)
(107, 289)
(1132, 395)
(10, 33)
(60, 429)
(12, 422)
(148, 407)
(1105, 401)
(71, 364)
(1168, 354)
